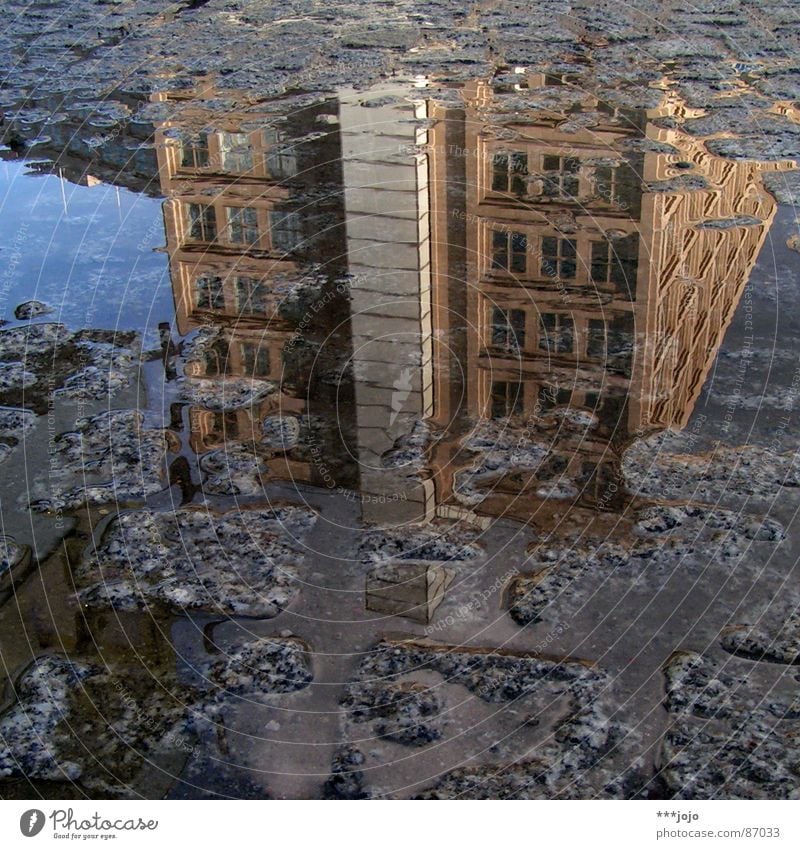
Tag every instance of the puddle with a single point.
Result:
(407, 440)
(87, 252)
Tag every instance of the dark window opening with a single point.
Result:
(596, 339)
(507, 399)
(509, 170)
(250, 296)
(255, 359)
(210, 293)
(509, 251)
(194, 152)
(508, 329)
(560, 177)
(242, 225)
(202, 222)
(552, 396)
(556, 333)
(559, 258)
(615, 263)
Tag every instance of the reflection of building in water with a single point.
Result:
(249, 205)
(388, 244)
(560, 274)
(241, 214)
(600, 282)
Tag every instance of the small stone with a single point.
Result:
(31, 309)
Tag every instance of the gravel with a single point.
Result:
(435, 542)
(730, 736)
(110, 458)
(100, 726)
(775, 638)
(240, 563)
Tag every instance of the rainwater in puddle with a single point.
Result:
(359, 437)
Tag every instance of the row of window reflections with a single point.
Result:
(241, 226)
(556, 331)
(252, 296)
(235, 153)
(508, 400)
(613, 264)
(556, 334)
(247, 359)
(559, 178)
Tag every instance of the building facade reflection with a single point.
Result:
(601, 275)
(528, 290)
(253, 199)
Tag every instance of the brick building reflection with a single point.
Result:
(563, 279)
(600, 277)
(253, 198)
